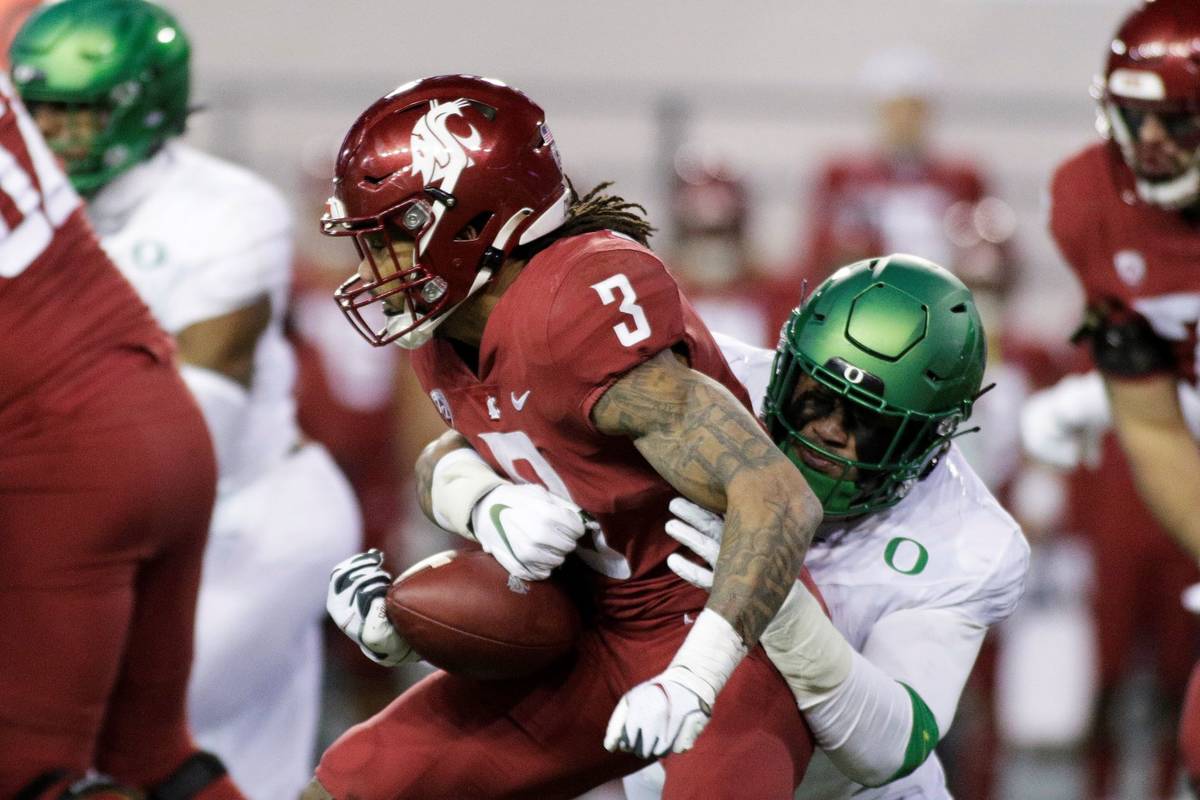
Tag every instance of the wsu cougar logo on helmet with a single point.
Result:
(438, 154)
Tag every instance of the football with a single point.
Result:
(464, 613)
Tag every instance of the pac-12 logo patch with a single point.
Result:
(442, 405)
(1130, 266)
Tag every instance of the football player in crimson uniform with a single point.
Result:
(561, 350)
(106, 484)
(1124, 215)
(915, 558)
(207, 245)
(903, 196)
(711, 254)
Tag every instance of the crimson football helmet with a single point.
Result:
(458, 168)
(1154, 68)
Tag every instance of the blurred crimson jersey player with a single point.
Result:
(106, 484)
(903, 195)
(1125, 216)
(712, 258)
(561, 351)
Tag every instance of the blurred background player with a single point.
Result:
(1124, 216)
(712, 257)
(106, 484)
(903, 196)
(207, 246)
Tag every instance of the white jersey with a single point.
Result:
(198, 238)
(947, 545)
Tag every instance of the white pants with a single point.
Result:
(254, 695)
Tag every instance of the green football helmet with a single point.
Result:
(127, 59)
(897, 344)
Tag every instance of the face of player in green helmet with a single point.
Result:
(873, 377)
(106, 80)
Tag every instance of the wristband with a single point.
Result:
(460, 479)
(712, 650)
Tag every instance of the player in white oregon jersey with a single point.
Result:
(915, 559)
(207, 245)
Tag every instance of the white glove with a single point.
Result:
(527, 529)
(663, 715)
(1063, 426)
(357, 603)
(699, 530)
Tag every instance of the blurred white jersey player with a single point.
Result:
(208, 247)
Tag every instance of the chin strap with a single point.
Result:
(1175, 194)
(190, 778)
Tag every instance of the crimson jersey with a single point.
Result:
(62, 302)
(582, 313)
(1128, 255)
(865, 206)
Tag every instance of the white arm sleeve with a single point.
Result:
(224, 404)
(900, 696)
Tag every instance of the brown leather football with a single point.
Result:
(464, 613)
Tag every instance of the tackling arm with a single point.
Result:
(877, 714)
(899, 697)
(1162, 452)
(705, 444)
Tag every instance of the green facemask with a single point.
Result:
(898, 343)
(125, 59)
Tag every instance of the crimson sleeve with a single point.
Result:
(613, 310)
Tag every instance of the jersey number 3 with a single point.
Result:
(607, 290)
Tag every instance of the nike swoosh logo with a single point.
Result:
(494, 513)
(519, 402)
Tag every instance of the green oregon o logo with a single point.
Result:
(908, 552)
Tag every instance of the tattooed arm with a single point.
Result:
(700, 439)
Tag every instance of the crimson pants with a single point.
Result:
(103, 517)
(449, 737)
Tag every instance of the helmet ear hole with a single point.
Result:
(474, 229)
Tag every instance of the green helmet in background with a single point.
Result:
(127, 59)
(898, 344)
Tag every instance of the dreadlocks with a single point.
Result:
(594, 212)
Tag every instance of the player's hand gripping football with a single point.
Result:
(527, 529)
(357, 603)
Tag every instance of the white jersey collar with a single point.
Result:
(112, 206)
